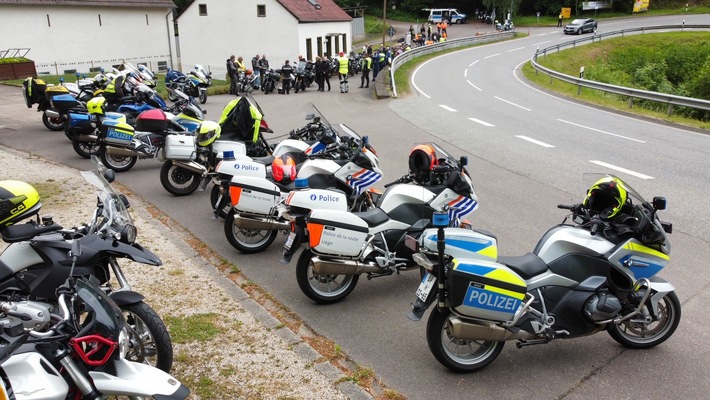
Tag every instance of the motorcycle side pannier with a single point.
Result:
(117, 132)
(81, 123)
(463, 243)
(180, 147)
(152, 121)
(253, 195)
(52, 91)
(485, 290)
(336, 232)
(65, 102)
(33, 90)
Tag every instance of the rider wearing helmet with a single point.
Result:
(18, 200)
(100, 81)
(606, 197)
(207, 132)
(114, 91)
(422, 160)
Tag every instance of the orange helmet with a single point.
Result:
(422, 160)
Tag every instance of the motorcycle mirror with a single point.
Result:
(463, 161)
(109, 175)
(659, 203)
(310, 116)
(75, 251)
(124, 200)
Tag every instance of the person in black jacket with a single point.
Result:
(263, 67)
(324, 66)
(286, 72)
(232, 74)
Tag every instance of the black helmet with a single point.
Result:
(422, 160)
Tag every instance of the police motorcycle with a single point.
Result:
(54, 101)
(342, 245)
(339, 170)
(191, 160)
(35, 261)
(598, 273)
(194, 84)
(80, 349)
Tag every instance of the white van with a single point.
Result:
(450, 15)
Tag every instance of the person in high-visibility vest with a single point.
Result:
(343, 72)
(366, 66)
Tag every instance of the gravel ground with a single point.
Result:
(247, 353)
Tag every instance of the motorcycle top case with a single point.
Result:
(220, 146)
(253, 194)
(180, 147)
(65, 102)
(462, 243)
(320, 199)
(117, 132)
(485, 290)
(33, 90)
(152, 121)
(336, 232)
(241, 165)
(52, 91)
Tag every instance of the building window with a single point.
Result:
(100, 20)
(203, 9)
(309, 49)
(261, 10)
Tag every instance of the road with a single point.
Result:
(519, 183)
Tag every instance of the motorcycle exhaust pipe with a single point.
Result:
(260, 223)
(190, 166)
(342, 267)
(52, 114)
(87, 138)
(121, 151)
(480, 331)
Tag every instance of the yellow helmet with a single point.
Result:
(96, 105)
(606, 197)
(208, 132)
(18, 200)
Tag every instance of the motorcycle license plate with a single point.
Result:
(425, 287)
(289, 240)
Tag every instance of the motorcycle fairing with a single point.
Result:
(640, 260)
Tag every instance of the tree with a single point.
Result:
(502, 7)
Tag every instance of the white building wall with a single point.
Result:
(73, 38)
(318, 31)
(232, 27)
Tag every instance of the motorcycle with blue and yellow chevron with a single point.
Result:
(596, 273)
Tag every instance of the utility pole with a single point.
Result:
(384, 21)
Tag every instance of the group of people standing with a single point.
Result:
(235, 66)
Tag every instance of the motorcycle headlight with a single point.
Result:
(128, 234)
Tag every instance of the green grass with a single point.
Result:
(193, 328)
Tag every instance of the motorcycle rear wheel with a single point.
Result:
(86, 149)
(156, 346)
(457, 354)
(178, 181)
(247, 241)
(637, 334)
(323, 289)
(53, 124)
(118, 163)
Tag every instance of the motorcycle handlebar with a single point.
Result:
(403, 179)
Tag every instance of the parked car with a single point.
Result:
(579, 26)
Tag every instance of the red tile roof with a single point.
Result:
(308, 10)
(111, 3)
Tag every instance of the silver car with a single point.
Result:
(579, 26)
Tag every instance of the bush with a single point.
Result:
(13, 60)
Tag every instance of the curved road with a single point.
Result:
(474, 103)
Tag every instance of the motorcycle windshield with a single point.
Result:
(100, 314)
(112, 217)
(313, 114)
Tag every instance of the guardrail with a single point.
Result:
(449, 44)
(669, 99)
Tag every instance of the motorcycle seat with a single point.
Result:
(23, 232)
(526, 266)
(266, 160)
(373, 217)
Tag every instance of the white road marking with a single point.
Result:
(537, 44)
(492, 55)
(481, 122)
(447, 108)
(620, 169)
(600, 131)
(531, 140)
(469, 82)
(465, 73)
(519, 48)
(512, 104)
(471, 65)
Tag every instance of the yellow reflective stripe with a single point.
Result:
(506, 276)
(505, 292)
(643, 249)
(490, 251)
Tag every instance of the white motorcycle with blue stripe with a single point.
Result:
(342, 245)
(597, 274)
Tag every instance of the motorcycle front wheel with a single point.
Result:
(178, 181)
(323, 289)
(172, 96)
(118, 163)
(247, 240)
(203, 96)
(53, 124)
(150, 340)
(641, 332)
(457, 354)
(214, 198)
(86, 149)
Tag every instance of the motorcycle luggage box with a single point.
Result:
(336, 232)
(241, 166)
(180, 147)
(52, 91)
(33, 90)
(253, 195)
(485, 289)
(117, 132)
(220, 146)
(81, 123)
(317, 199)
(65, 102)
(462, 243)
(152, 121)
